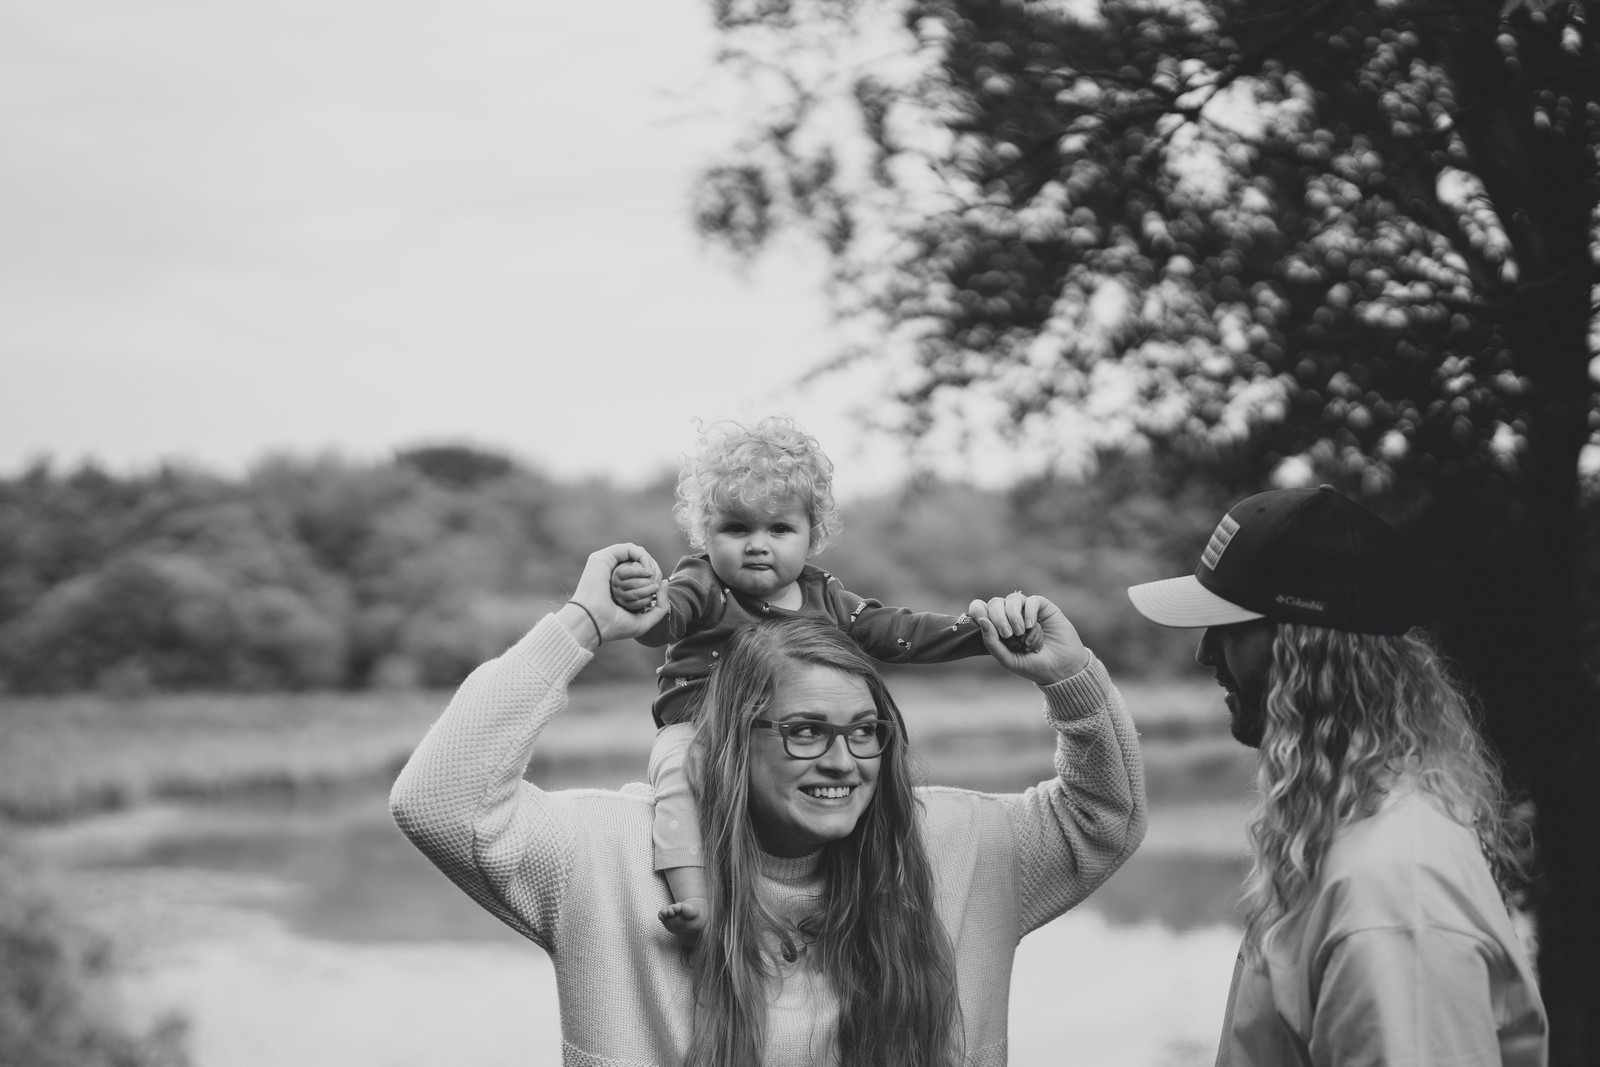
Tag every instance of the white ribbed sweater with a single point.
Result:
(572, 870)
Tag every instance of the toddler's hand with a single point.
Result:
(634, 586)
(1031, 640)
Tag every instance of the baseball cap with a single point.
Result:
(1291, 555)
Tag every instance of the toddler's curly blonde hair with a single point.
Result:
(744, 466)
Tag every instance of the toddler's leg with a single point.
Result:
(676, 833)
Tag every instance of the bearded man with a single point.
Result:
(1377, 926)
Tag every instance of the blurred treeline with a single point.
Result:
(328, 573)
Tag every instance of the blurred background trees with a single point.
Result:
(305, 574)
(1274, 242)
(319, 573)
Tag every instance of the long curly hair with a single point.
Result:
(1349, 717)
(877, 937)
(743, 466)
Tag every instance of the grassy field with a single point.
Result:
(71, 756)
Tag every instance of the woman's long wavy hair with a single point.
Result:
(1349, 717)
(878, 939)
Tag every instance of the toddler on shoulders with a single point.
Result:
(756, 503)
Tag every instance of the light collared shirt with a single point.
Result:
(1405, 955)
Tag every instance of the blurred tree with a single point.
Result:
(460, 466)
(150, 620)
(57, 1002)
(307, 573)
(141, 621)
(1346, 240)
(57, 526)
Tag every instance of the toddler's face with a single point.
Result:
(759, 552)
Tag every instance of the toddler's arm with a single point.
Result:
(900, 635)
(688, 591)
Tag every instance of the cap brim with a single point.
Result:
(1185, 602)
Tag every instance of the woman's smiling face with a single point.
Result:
(799, 805)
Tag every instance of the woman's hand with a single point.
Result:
(1061, 652)
(592, 617)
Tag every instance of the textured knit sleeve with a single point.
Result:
(689, 589)
(900, 635)
(1075, 830)
(461, 798)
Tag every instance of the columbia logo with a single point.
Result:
(1301, 603)
(1219, 542)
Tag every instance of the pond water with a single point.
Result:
(307, 931)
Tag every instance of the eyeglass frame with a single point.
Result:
(887, 727)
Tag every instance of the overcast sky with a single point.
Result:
(229, 228)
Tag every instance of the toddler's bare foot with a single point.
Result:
(686, 919)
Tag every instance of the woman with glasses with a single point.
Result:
(855, 919)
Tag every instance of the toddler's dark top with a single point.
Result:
(704, 613)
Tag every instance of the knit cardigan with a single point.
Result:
(571, 870)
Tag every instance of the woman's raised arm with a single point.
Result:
(460, 797)
(1072, 832)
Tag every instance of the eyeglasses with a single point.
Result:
(808, 739)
